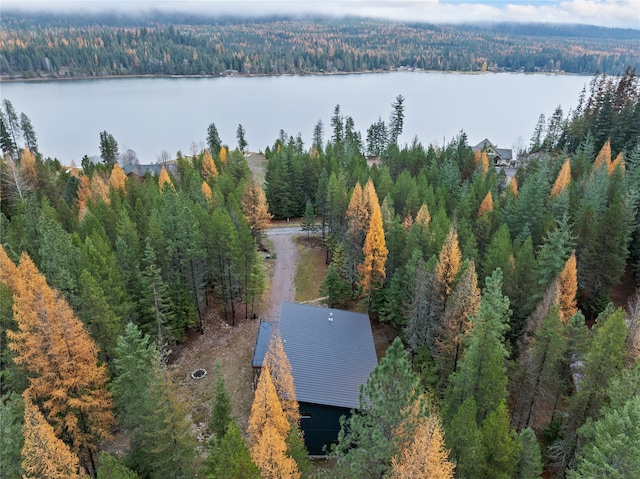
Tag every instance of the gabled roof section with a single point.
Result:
(331, 353)
(484, 144)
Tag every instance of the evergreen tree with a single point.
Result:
(529, 465)
(213, 139)
(373, 435)
(221, 417)
(240, 135)
(7, 145)
(135, 357)
(396, 120)
(11, 437)
(110, 468)
(28, 133)
(230, 457)
(308, 223)
(108, 148)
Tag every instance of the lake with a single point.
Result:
(151, 115)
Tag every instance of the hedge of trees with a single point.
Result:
(84, 46)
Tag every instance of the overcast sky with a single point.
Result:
(609, 13)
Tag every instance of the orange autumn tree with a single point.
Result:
(425, 455)
(54, 348)
(164, 179)
(482, 160)
(448, 266)
(43, 453)
(28, 165)
(84, 193)
(564, 176)
(208, 166)
(614, 164)
(223, 155)
(206, 190)
(280, 370)
(486, 206)
(118, 179)
(604, 157)
(255, 208)
(267, 431)
(513, 186)
(99, 188)
(568, 289)
(372, 269)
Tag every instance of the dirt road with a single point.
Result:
(286, 257)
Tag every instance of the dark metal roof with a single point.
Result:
(262, 342)
(331, 353)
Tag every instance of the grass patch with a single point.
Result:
(311, 267)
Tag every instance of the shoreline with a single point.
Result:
(263, 75)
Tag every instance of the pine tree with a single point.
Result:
(499, 450)
(213, 139)
(108, 148)
(44, 455)
(425, 455)
(529, 465)
(240, 135)
(463, 439)
(53, 346)
(28, 133)
(135, 358)
(267, 431)
(110, 468)
(230, 457)
(164, 445)
(385, 420)
(396, 120)
(221, 417)
(308, 222)
(11, 437)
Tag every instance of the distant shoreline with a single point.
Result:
(262, 75)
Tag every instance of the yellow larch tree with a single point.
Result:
(223, 156)
(423, 217)
(99, 188)
(568, 288)
(164, 179)
(372, 269)
(486, 206)
(53, 346)
(425, 456)
(84, 193)
(267, 431)
(206, 190)
(370, 197)
(357, 213)
(28, 165)
(208, 166)
(407, 222)
(448, 264)
(44, 455)
(604, 157)
(562, 180)
(280, 369)
(255, 208)
(482, 160)
(614, 164)
(118, 179)
(513, 186)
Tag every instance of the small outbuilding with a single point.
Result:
(332, 354)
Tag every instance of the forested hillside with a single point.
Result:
(510, 355)
(83, 46)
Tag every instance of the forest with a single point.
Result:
(68, 46)
(513, 300)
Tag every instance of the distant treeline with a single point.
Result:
(53, 46)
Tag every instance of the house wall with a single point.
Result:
(322, 427)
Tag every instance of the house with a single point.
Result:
(499, 156)
(331, 354)
(152, 169)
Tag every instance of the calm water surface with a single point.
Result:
(149, 115)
